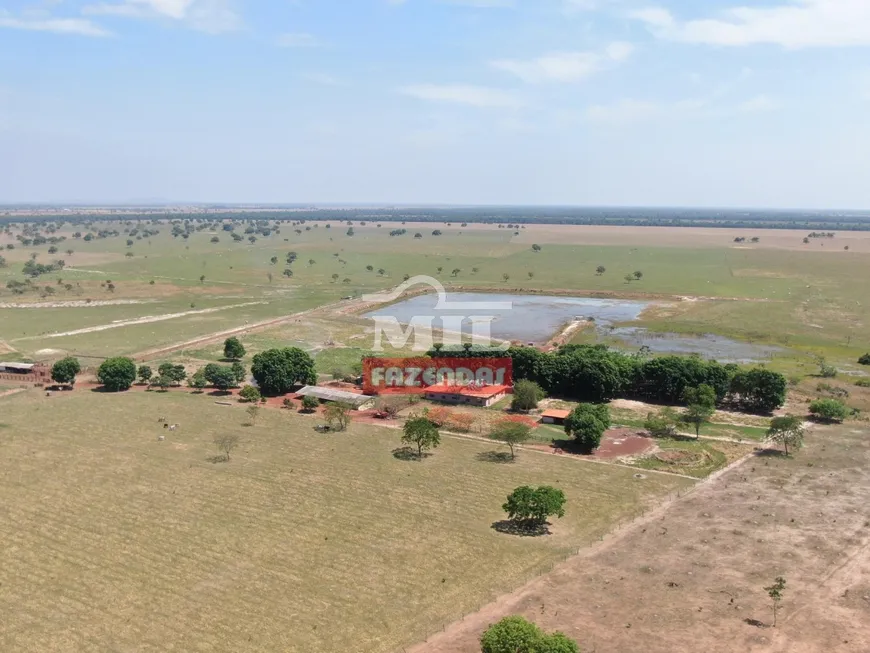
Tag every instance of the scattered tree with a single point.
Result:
(197, 380)
(145, 373)
(337, 415)
(175, 373)
(696, 415)
(238, 371)
(536, 248)
(278, 370)
(253, 412)
(226, 444)
(526, 395)
(422, 433)
(116, 374)
(505, 277)
(864, 359)
(638, 275)
(511, 433)
(789, 430)
(628, 278)
(600, 270)
(162, 382)
(775, 594)
(220, 376)
(587, 423)
(233, 349)
(516, 635)
(64, 371)
(529, 508)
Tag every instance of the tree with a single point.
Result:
(662, 424)
(789, 430)
(250, 394)
(220, 376)
(775, 594)
(116, 374)
(864, 359)
(587, 423)
(475, 270)
(161, 381)
(253, 412)
(696, 415)
(511, 635)
(511, 433)
(422, 433)
(638, 275)
(337, 415)
(455, 272)
(233, 349)
(381, 272)
(2, 262)
(600, 270)
(197, 380)
(759, 389)
(536, 248)
(526, 395)
(65, 370)
(273, 260)
(278, 370)
(309, 403)
(628, 278)
(334, 277)
(175, 373)
(826, 371)
(370, 268)
(238, 371)
(202, 278)
(505, 276)
(145, 373)
(830, 410)
(287, 272)
(226, 443)
(529, 508)
(703, 395)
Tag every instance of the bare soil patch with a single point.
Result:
(690, 577)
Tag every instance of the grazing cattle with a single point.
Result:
(173, 427)
(161, 419)
(165, 425)
(161, 437)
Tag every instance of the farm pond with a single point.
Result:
(537, 318)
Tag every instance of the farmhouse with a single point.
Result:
(554, 416)
(358, 401)
(473, 395)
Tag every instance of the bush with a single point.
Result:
(662, 424)
(832, 391)
(863, 383)
(309, 404)
(587, 423)
(117, 374)
(864, 360)
(516, 635)
(288, 403)
(830, 410)
(440, 415)
(249, 393)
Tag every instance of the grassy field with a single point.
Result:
(811, 301)
(302, 542)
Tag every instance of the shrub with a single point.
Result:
(526, 395)
(461, 422)
(864, 360)
(249, 393)
(662, 424)
(831, 410)
(309, 404)
(288, 403)
(439, 415)
(863, 383)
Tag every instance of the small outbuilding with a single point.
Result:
(17, 368)
(358, 401)
(472, 395)
(554, 416)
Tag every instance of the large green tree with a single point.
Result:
(587, 423)
(117, 374)
(529, 508)
(220, 376)
(279, 370)
(421, 433)
(233, 349)
(175, 373)
(65, 370)
(526, 395)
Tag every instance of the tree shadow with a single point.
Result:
(769, 453)
(755, 622)
(572, 447)
(219, 393)
(409, 454)
(500, 457)
(104, 389)
(217, 458)
(511, 527)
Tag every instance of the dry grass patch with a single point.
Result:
(301, 542)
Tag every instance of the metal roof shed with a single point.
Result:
(332, 394)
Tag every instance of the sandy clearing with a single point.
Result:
(78, 303)
(139, 320)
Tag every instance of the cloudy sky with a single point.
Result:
(590, 102)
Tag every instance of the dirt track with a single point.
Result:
(690, 579)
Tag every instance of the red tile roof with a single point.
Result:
(468, 390)
(556, 413)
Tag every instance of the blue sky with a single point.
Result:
(592, 102)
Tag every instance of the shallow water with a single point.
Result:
(531, 318)
(536, 318)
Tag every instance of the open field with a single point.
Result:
(690, 577)
(302, 542)
(808, 298)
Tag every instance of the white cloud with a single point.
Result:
(792, 24)
(633, 111)
(79, 26)
(298, 40)
(212, 16)
(476, 96)
(565, 66)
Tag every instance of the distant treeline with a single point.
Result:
(637, 217)
(596, 373)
